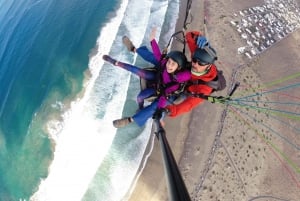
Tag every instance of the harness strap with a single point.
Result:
(213, 83)
(197, 95)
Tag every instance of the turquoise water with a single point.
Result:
(58, 98)
(43, 54)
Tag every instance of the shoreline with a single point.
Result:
(173, 125)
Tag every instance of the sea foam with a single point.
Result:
(84, 140)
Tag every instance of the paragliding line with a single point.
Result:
(269, 142)
(273, 149)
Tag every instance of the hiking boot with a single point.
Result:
(127, 42)
(119, 123)
(109, 59)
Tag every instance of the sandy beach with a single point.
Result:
(235, 152)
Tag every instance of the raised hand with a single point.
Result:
(202, 41)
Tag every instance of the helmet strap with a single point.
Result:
(208, 68)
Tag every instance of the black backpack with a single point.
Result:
(219, 83)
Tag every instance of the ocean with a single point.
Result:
(58, 98)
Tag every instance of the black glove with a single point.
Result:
(158, 114)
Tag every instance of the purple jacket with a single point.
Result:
(178, 77)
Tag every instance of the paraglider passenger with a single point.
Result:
(170, 76)
(203, 69)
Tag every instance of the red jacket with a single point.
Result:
(191, 38)
(191, 102)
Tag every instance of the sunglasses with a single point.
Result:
(194, 60)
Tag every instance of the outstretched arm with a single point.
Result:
(186, 106)
(153, 56)
(191, 38)
(155, 49)
(195, 40)
(190, 102)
